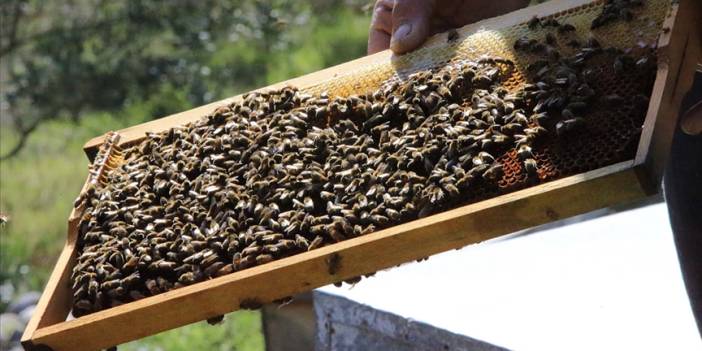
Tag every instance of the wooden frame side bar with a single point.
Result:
(679, 52)
(453, 229)
(56, 300)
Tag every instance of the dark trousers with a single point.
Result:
(683, 194)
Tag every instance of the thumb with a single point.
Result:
(410, 24)
(692, 120)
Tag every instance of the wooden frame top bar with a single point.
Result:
(134, 133)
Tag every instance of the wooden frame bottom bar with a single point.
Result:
(615, 184)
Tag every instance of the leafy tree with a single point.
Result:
(64, 58)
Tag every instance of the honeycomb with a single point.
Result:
(611, 136)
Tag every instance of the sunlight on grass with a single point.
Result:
(240, 331)
(36, 187)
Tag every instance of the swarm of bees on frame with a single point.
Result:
(284, 172)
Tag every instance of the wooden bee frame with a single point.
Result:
(679, 52)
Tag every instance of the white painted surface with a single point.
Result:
(611, 283)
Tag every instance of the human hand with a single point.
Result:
(403, 25)
(692, 120)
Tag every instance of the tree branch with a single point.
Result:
(24, 136)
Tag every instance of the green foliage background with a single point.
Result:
(74, 69)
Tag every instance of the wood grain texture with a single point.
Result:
(56, 300)
(679, 53)
(384, 249)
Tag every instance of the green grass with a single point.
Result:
(37, 188)
(239, 331)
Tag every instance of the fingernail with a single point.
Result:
(692, 120)
(402, 31)
(689, 126)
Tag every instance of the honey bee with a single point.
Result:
(452, 35)
(281, 172)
